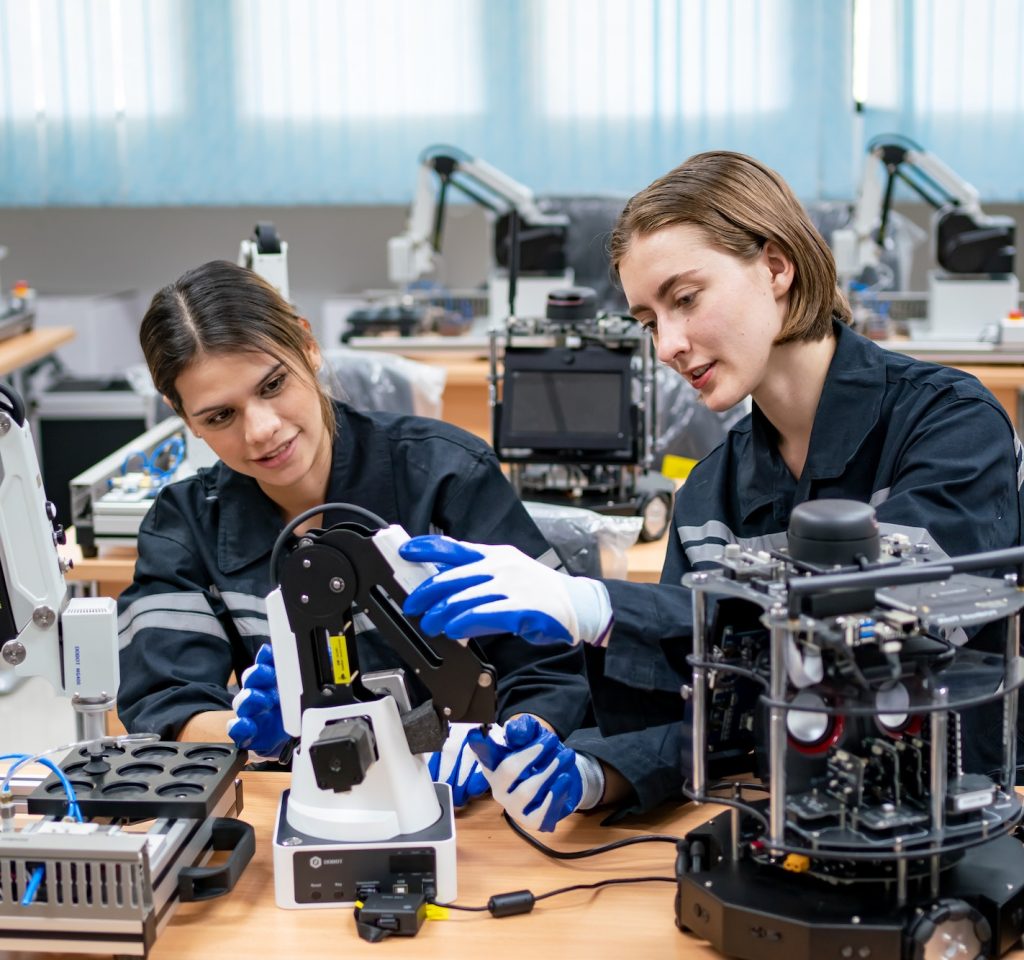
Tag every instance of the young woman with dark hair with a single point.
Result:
(240, 367)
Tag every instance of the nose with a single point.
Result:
(261, 422)
(670, 340)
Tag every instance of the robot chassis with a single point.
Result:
(846, 653)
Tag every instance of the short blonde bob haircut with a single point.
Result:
(740, 205)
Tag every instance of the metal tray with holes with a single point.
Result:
(143, 781)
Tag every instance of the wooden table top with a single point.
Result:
(24, 348)
(637, 918)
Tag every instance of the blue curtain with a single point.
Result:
(168, 102)
(950, 76)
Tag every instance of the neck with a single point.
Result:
(789, 393)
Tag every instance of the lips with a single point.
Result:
(277, 455)
(699, 376)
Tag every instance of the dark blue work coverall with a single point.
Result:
(928, 446)
(195, 612)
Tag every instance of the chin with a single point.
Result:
(719, 404)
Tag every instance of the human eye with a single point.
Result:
(274, 385)
(647, 324)
(686, 300)
(219, 418)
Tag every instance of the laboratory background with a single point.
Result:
(143, 138)
(411, 174)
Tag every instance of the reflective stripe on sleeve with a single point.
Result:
(698, 550)
(249, 602)
(178, 602)
(182, 621)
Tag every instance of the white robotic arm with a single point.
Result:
(72, 644)
(413, 254)
(967, 241)
(362, 801)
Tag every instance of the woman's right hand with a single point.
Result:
(257, 724)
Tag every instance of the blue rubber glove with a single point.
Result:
(484, 589)
(257, 725)
(533, 775)
(457, 765)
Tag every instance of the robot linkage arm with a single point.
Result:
(335, 574)
(73, 645)
(411, 255)
(966, 239)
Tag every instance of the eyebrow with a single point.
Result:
(665, 286)
(270, 374)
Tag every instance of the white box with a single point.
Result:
(960, 307)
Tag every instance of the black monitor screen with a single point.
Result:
(558, 400)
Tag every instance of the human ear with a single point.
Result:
(312, 347)
(781, 268)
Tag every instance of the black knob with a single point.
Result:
(833, 532)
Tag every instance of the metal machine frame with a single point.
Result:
(83, 882)
(609, 471)
(99, 517)
(109, 887)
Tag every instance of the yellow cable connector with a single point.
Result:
(796, 863)
(436, 912)
(677, 468)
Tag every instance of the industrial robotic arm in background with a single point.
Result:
(70, 643)
(967, 241)
(541, 236)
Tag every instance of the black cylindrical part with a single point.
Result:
(833, 533)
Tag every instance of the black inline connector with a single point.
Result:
(510, 904)
(522, 901)
(390, 914)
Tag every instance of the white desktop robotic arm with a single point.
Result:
(967, 241)
(70, 643)
(357, 781)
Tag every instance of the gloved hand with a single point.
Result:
(457, 765)
(533, 775)
(484, 589)
(257, 725)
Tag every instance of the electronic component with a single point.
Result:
(878, 813)
(390, 914)
(84, 885)
(363, 815)
(573, 410)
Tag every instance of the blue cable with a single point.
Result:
(36, 879)
(32, 887)
(175, 447)
(22, 758)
